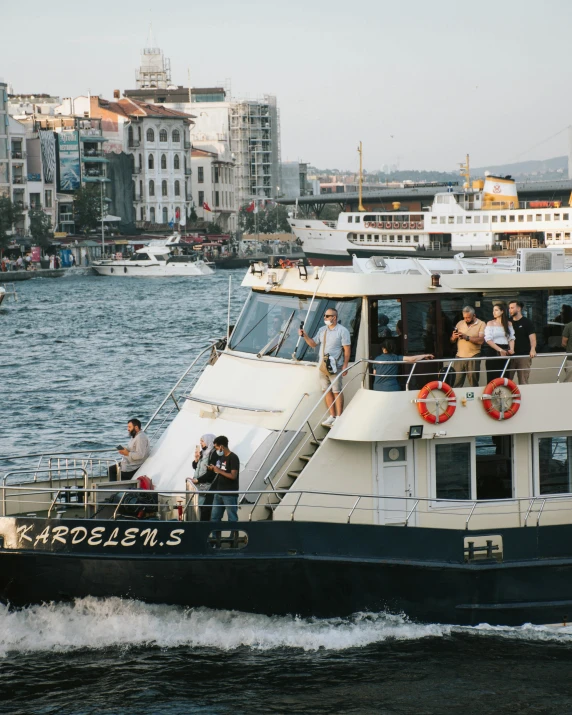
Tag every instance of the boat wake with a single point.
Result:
(92, 623)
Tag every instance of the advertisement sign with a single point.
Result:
(69, 161)
(36, 254)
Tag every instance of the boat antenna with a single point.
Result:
(360, 183)
(465, 172)
(228, 311)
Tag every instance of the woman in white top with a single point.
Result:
(499, 337)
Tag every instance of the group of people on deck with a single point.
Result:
(508, 334)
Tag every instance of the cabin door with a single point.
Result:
(394, 483)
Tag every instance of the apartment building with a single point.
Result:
(213, 185)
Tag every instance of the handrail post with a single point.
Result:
(529, 510)
(411, 512)
(353, 509)
(296, 506)
(561, 368)
(470, 515)
(540, 512)
(119, 504)
(53, 503)
(409, 377)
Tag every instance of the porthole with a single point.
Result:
(223, 540)
(111, 269)
(124, 269)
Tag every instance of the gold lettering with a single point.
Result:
(58, 533)
(43, 537)
(175, 539)
(129, 538)
(109, 541)
(22, 532)
(96, 536)
(150, 538)
(79, 533)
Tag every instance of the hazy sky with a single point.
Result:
(420, 83)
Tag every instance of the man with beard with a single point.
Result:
(134, 454)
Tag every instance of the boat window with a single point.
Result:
(392, 239)
(511, 219)
(453, 470)
(400, 239)
(415, 239)
(555, 464)
(539, 217)
(495, 219)
(477, 219)
(452, 219)
(407, 239)
(433, 219)
(385, 322)
(358, 219)
(503, 219)
(179, 259)
(376, 238)
(557, 217)
(566, 235)
(520, 218)
(485, 219)
(421, 326)
(565, 217)
(269, 324)
(468, 219)
(529, 217)
(493, 460)
(350, 219)
(140, 257)
(369, 217)
(547, 217)
(459, 219)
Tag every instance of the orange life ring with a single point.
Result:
(285, 263)
(422, 402)
(405, 225)
(487, 398)
(395, 225)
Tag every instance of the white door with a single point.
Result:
(394, 484)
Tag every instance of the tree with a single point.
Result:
(193, 215)
(40, 227)
(87, 207)
(9, 215)
(272, 218)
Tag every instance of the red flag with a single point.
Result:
(206, 207)
(250, 207)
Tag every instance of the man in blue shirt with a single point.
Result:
(386, 375)
(334, 340)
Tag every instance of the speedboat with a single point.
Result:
(162, 258)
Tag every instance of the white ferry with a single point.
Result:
(487, 219)
(156, 260)
(446, 504)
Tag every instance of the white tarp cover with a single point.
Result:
(171, 458)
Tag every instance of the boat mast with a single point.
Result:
(465, 172)
(360, 205)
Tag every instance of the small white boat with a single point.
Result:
(2, 294)
(157, 260)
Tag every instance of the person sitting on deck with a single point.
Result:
(134, 454)
(386, 375)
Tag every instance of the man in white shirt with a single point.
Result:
(335, 341)
(134, 454)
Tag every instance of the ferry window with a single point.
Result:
(451, 219)
(358, 219)
(453, 470)
(547, 217)
(529, 218)
(407, 239)
(485, 219)
(269, 324)
(558, 235)
(511, 219)
(493, 460)
(442, 219)
(433, 219)
(367, 217)
(384, 239)
(421, 326)
(555, 464)
(557, 217)
(520, 218)
(503, 219)
(567, 235)
(350, 219)
(539, 217)
(385, 322)
(565, 217)
(415, 239)
(361, 236)
(392, 239)
(495, 219)
(468, 219)
(548, 235)
(459, 219)
(400, 239)
(477, 219)
(376, 238)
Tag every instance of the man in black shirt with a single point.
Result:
(524, 343)
(227, 469)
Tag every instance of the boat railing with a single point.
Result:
(554, 369)
(304, 505)
(76, 477)
(56, 464)
(172, 402)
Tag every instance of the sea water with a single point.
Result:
(79, 356)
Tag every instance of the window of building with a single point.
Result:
(216, 174)
(176, 162)
(139, 132)
(48, 199)
(554, 467)
(142, 214)
(152, 214)
(140, 162)
(130, 136)
(165, 214)
(176, 136)
(163, 161)
(177, 188)
(151, 161)
(140, 190)
(163, 137)
(151, 188)
(164, 191)
(217, 199)
(150, 135)
(200, 174)
(201, 198)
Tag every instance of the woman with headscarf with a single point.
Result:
(205, 454)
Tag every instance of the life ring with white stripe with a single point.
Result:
(423, 399)
(514, 395)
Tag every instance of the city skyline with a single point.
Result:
(420, 90)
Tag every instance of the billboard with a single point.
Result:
(70, 177)
(48, 152)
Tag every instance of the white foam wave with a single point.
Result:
(104, 623)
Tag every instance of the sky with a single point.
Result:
(421, 83)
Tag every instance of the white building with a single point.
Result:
(25, 105)
(213, 184)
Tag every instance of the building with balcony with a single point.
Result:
(4, 151)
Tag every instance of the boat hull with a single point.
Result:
(310, 569)
(170, 270)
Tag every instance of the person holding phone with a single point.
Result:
(205, 455)
(136, 452)
(469, 334)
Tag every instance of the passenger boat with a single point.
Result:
(447, 504)
(486, 219)
(156, 260)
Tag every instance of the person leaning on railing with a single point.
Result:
(469, 334)
(499, 337)
(386, 375)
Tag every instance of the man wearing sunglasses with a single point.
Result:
(334, 340)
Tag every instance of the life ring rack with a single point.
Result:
(422, 400)
(488, 395)
(285, 263)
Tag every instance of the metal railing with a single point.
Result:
(70, 476)
(383, 508)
